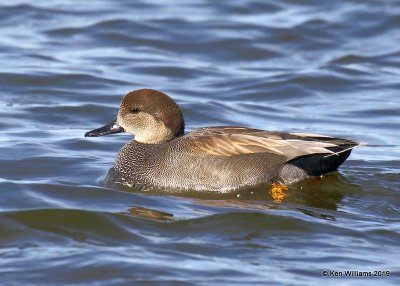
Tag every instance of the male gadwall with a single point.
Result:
(212, 158)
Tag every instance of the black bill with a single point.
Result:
(110, 128)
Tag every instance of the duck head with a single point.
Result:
(150, 115)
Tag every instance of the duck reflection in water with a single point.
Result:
(310, 197)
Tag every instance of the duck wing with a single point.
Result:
(229, 141)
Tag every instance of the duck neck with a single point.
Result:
(133, 157)
(160, 133)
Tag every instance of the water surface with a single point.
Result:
(329, 67)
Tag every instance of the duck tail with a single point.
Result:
(345, 148)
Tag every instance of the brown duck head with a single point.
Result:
(150, 115)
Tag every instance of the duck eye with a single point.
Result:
(135, 110)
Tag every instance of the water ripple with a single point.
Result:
(327, 67)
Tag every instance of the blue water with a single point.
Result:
(328, 67)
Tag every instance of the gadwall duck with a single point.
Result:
(212, 158)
